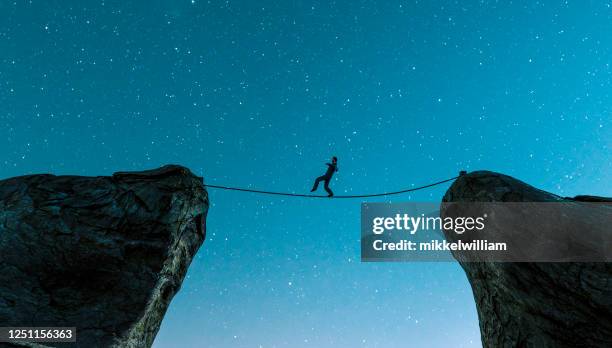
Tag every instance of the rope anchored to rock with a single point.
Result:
(339, 196)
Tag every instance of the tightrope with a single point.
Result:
(325, 196)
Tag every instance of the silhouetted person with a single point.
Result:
(331, 169)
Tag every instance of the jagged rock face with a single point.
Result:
(536, 304)
(104, 254)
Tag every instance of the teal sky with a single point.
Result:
(260, 94)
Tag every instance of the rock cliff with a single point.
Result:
(537, 304)
(104, 254)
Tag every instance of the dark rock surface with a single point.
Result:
(537, 304)
(104, 254)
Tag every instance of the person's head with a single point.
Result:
(334, 159)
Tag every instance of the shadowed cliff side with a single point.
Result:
(537, 304)
(104, 254)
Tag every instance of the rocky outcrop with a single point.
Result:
(103, 254)
(536, 304)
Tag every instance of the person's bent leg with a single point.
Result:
(329, 191)
(316, 183)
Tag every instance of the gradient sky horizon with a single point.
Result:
(260, 94)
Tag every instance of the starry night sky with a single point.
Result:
(261, 93)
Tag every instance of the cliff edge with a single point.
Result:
(103, 254)
(523, 304)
